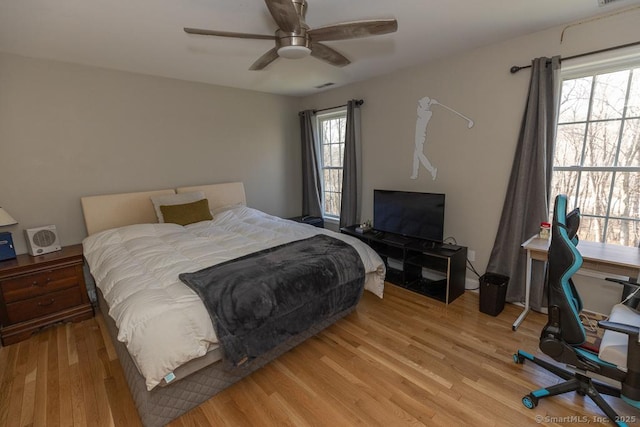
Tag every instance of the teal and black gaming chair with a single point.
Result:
(563, 335)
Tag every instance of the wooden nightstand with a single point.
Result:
(39, 291)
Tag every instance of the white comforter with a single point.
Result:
(163, 323)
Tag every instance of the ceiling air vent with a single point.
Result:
(605, 2)
(324, 85)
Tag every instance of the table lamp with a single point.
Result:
(7, 250)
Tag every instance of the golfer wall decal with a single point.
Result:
(424, 116)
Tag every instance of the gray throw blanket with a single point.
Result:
(259, 300)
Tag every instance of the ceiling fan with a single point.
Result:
(294, 39)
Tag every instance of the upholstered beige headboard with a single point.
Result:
(219, 195)
(117, 210)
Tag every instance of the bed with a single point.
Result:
(162, 332)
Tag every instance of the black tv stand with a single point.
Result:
(395, 238)
(429, 268)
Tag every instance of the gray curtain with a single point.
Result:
(351, 170)
(311, 177)
(526, 203)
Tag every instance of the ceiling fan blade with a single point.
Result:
(327, 54)
(227, 34)
(352, 30)
(265, 60)
(285, 15)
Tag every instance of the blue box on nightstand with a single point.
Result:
(6, 246)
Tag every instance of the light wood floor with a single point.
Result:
(403, 360)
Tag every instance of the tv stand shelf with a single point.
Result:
(428, 268)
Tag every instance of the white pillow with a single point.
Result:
(174, 199)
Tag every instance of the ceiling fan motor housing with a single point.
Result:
(297, 44)
(293, 45)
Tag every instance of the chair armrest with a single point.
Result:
(631, 282)
(619, 327)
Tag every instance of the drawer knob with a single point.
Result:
(35, 283)
(46, 303)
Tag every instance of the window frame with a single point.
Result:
(629, 62)
(338, 113)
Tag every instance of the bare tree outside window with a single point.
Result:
(331, 130)
(597, 154)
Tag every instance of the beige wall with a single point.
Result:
(473, 164)
(67, 131)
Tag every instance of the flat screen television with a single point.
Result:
(410, 214)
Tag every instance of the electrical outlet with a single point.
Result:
(471, 255)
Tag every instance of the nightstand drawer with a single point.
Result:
(43, 305)
(38, 284)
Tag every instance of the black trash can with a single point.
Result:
(493, 291)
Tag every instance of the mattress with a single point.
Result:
(161, 321)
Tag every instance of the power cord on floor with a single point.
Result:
(473, 269)
(452, 240)
(588, 323)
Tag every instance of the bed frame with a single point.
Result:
(164, 404)
(161, 405)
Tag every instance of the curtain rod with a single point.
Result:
(359, 102)
(517, 68)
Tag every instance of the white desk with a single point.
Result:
(602, 257)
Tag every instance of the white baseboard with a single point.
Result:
(472, 284)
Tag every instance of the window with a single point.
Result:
(597, 154)
(331, 134)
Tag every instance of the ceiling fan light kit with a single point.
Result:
(293, 45)
(294, 39)
(293, 52)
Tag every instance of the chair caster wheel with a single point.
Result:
(517, 359)
(530, 401)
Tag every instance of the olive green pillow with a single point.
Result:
(187, 213)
